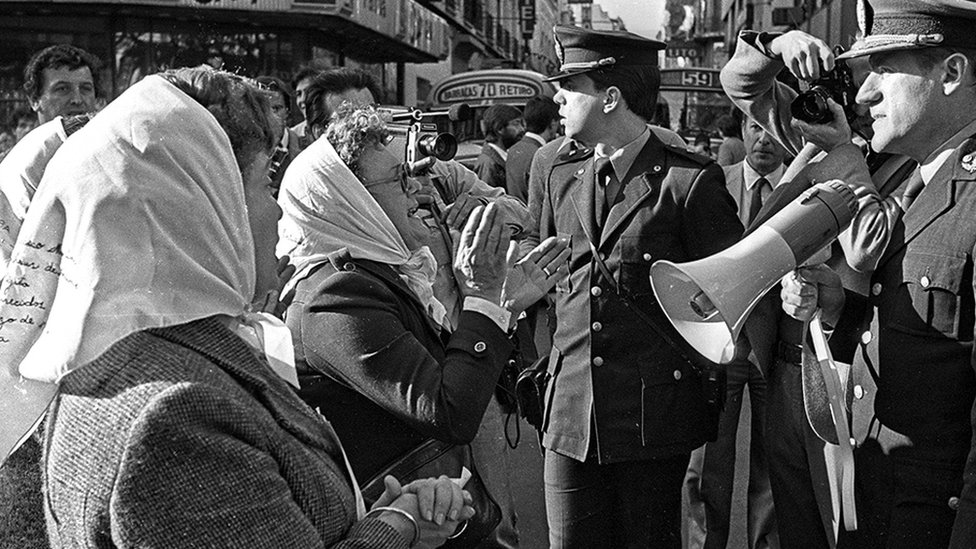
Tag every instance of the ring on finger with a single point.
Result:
(546, 270)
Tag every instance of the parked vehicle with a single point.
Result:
(480, 90)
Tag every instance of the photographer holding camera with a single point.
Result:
(822, 144)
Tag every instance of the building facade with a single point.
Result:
(834, 21)
(252, 37)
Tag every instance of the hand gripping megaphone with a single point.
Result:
(709, 300)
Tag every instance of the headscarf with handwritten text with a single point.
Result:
(139, 223)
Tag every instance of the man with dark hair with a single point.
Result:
(23, 121)
(300, 82)
(732, 150)
(332, 87)
(624, 408)
(61, 80)
(541, 117)
(503, 127)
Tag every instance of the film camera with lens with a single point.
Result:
(424, 143)
(811, 105)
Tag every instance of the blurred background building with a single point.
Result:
(406, 44)
(835, 21)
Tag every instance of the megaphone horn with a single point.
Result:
(709, 300)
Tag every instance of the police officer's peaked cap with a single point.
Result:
(889, 25)
(583, 50)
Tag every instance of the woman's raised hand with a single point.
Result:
(534, 275)
(481, 259)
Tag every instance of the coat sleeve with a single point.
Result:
(197, 473)
(749, 79)
(462, 180)
(517, 172)
(710, 222)
(352, 328)
(964, 528)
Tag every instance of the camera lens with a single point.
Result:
(441, 146)
(811, 106)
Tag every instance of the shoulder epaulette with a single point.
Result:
(688, 154)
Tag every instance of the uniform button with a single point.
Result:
(579, 171)
(598, 361)
(595, 291)
(647, 257)
(657, 168)
(858, 391)
(597, 326)
(603, 256)
(954, 503)
(876, 288)
(925, 281)
(866, 337)
(480, 347)
(349, 266)
(677, 374)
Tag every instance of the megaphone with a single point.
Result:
(709, 300)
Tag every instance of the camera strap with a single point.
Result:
(624, 296)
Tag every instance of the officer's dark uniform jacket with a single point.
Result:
(918, 340)
(617, 391)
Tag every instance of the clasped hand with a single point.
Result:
(439, 506)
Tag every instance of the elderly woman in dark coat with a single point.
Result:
(375, 346)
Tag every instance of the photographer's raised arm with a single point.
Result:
(465, 187)
(749, 79)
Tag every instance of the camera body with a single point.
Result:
(424, 143)
(811, 106)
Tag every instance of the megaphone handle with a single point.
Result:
(838, 409)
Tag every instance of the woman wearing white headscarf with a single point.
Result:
(173, 424)
(376, 349)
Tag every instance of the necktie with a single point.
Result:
(912, 189)
(756, 200)
(604, 173)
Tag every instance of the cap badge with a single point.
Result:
(969, 163)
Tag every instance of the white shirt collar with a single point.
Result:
(931, 165)
(750, 175)
(501, 152)
(541, 140)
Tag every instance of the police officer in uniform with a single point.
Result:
(624, 408)
(916, 346)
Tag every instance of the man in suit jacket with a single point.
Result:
(917, 340)
(750, 182)
(542, 125)
(624, 409)
(503, 127)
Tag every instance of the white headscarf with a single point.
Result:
(20, 174)
(139, 222)
(326, 208)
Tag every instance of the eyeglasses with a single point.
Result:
(399, 177)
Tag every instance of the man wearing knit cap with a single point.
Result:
(624, 408)
(917, 344)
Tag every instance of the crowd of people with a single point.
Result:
(217, 329)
